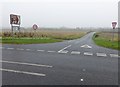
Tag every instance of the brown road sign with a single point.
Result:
(114, 24)
(14, 19)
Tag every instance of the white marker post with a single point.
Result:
(113, 25)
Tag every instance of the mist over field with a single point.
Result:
(61, 13)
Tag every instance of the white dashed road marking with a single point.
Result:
(22, 72)
(51, 51)
(41, 50)
(20, 49)
(88, 53)
(64, 48)
(29, 64)
(101, 54)
(75, 52)
(10, 48)
(65, 51)
(114, 55)
(28, 49)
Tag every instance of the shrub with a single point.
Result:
(96, 35)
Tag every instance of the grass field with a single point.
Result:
(43, 36)
(105, 39)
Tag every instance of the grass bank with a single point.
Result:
(43, 36)
(105, 39)
(28, 40)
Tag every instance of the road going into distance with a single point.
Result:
(73, 62)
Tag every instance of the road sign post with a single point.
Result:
(35, 27)
(113, 25)
(15, 22)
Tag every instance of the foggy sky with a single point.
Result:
(59, 13)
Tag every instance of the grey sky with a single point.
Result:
(58, 13)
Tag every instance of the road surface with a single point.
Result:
(74, 62)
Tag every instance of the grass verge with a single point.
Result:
(43, 36)
(29, 40)
(104, 39)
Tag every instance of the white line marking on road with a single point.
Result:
(22, 72)
(88, 53)
(51, 51)
(10, 48)
(64, 48)
(86, 46)
(101, 54)
(30, 64)
(81, 80)
(75, 52)
(20, 49)
(65, 51)
(41, 50)
(28, 49)
(114, 55)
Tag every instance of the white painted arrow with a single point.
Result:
(86, 46)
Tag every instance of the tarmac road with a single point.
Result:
(74, 62)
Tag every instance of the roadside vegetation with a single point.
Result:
(43, 36)
(105, 39)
